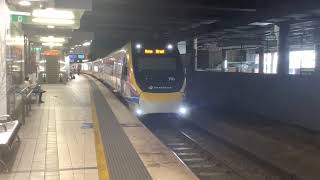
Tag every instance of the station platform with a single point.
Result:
(83, 131)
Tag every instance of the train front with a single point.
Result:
(160, 75)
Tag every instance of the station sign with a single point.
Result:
(52, 53)
(19, 18)
(156, 51)
(76, 58)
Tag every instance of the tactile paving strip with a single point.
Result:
(123, 161)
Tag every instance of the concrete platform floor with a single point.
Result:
(57, 141)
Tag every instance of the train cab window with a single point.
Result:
(157, 63)
(125, 69)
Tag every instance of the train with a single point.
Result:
(149, 77)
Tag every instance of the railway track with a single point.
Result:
(207, 156)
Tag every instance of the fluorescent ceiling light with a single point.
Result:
(25, 3)
(20, 13)
(50, 27)
(52, 39)
(53, 13)
(52, 44)
(53, 21)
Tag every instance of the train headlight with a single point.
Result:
(139, 112)
(170, 46)
(138, 46)
(183, 110)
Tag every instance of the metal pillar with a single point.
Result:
(317, 50)
(260, 51)
(192, 54)
(283, 48)
(224, 58)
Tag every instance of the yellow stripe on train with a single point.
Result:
(162, 97)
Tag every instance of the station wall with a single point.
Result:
(291, 99)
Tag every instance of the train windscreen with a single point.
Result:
(157, 63)
(159, 73)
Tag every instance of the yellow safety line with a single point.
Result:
(101, 159)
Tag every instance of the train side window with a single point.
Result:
(125, 69)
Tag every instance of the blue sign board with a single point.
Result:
(76, 57)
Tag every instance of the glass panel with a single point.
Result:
(157, 63)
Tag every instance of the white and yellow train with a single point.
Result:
(150, 78)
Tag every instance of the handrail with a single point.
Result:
(27, 91)
(21, 91)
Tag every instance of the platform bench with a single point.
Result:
(8, 137)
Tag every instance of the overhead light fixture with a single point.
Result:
(52, 16)
(50, 27)
(53, 21)
(19, 13)
(52, 39)
(52, 44)
(25, 3)
(86, 43)
(53, 13)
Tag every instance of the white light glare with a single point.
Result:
(50, 27)
(138, 46)
(170, 46)
(139, 112)
(20, 13)
(52, 39)
(86, 44)
(53, 14)
(52, 44)
(54, 21)
(25, 3)
(183, 110)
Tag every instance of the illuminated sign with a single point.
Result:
(80, 56)
(148, 51)
(160, 51)
(157, 51)
(76, 57)
(52, 53)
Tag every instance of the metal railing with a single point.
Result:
(26, 94)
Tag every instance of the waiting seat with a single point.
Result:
(8, 136)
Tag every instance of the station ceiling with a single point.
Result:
(218, 22)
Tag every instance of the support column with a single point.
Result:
(191, 53)
(4, 29)
(283, 48)
(224, 59)
(317, 50)
(260, 52)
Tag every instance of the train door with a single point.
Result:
(118, 65)
(114, 75)
(124, 77)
